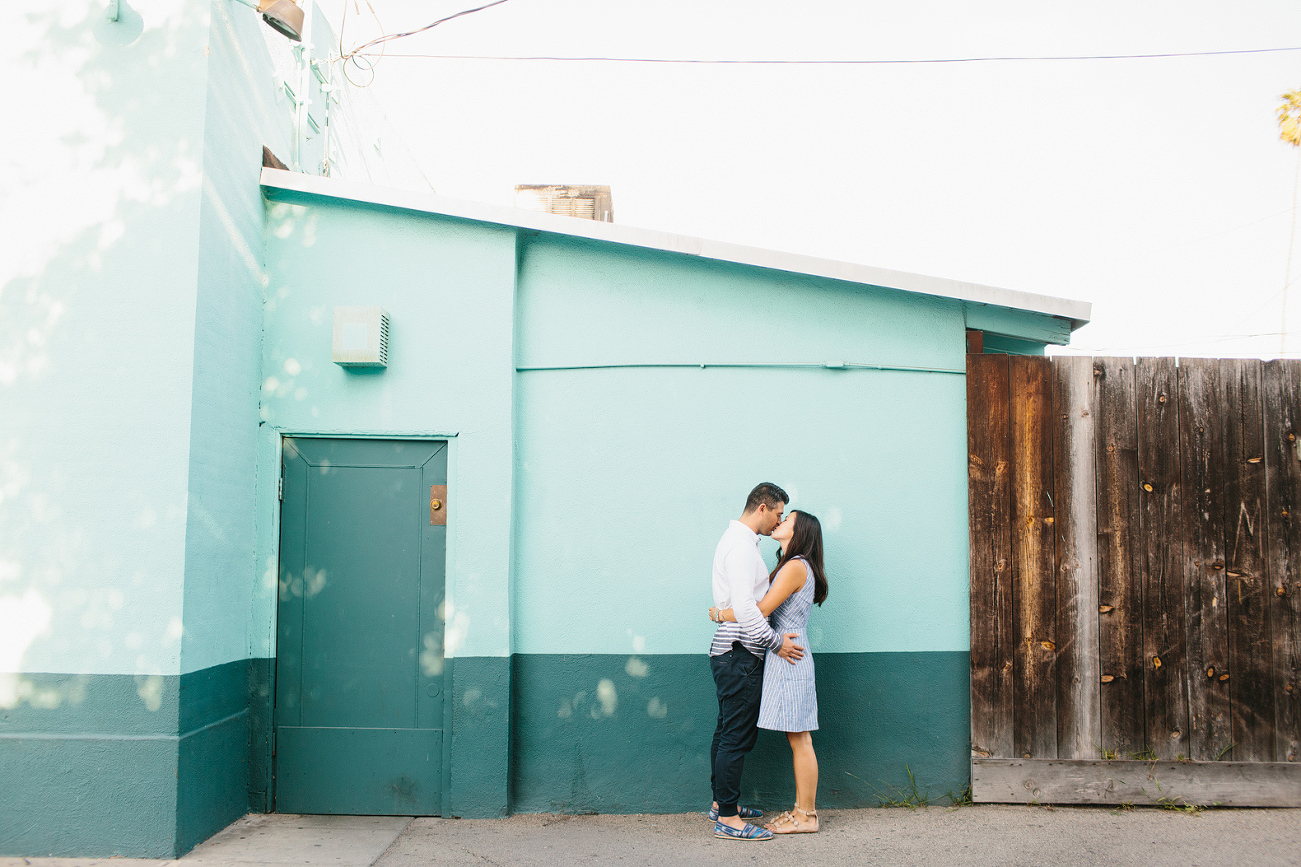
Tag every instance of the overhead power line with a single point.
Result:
(389, 37)
(877, 62)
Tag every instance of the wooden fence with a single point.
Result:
(1135, 576)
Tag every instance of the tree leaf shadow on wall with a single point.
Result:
(103, 187)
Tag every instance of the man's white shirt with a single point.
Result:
(740, 580)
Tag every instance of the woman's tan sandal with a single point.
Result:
(780, 822)
(806, 822)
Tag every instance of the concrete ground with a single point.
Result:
(980, 835)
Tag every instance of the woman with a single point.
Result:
(790, 699)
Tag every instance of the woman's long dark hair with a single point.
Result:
(806, 542)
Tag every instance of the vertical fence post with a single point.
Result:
(1120, 586)
(1251, 688)
(988, 491)
(1282, 396)
(1164, 656)
(1034, 728)
(1200, 445)
(1079, 724)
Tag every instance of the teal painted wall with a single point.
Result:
(240, 116)
(630, 734)
(142, 766)
(66, 808)
(448, 287)
(97, 348)
(995, 343)
(214, 729)
(163, 327)
(130, 367)
(586, 503)
(478, 772)
(97, 301)
(648, 467)
(1021, 326)
(627, 477)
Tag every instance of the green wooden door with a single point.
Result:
(359, 655)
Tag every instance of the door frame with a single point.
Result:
(271, 540)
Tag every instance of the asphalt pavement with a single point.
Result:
(976, 835)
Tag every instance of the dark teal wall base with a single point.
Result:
(620, 734)
(476, 785)
(102, 765)
(212, 768)
(261, 725)
(92, 796)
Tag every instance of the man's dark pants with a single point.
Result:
(738, 676)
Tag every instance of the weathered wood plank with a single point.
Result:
(1201, 458)
(988, 493)
(1079, 725)
(1050, 781)
(1165, 682)
(1281, 389)
(1120, 592)
(1034, 723)
(1251, 682)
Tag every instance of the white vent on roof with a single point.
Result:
(589, 202)
(360, 337)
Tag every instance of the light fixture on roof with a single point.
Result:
(283, 16)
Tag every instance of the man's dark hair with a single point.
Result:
(765, 494)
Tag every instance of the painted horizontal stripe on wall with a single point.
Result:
(101, 765)
(791, 365)
(631, 734)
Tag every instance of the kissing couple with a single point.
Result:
(762, 672)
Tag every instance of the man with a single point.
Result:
(737, 653)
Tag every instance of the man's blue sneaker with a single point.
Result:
(749, 832)
(743, 812)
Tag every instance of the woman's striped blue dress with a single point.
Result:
(790, 697)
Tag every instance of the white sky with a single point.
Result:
(1156, 189)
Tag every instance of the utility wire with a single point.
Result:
(369, 65)
(389, 37)
(721, 61)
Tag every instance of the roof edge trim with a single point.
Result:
(281, 185)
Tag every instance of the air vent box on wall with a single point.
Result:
(360, 337)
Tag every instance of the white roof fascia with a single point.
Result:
(276, 183)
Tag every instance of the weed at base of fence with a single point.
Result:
(1176, 803)
(904, 796)
(960, 800)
